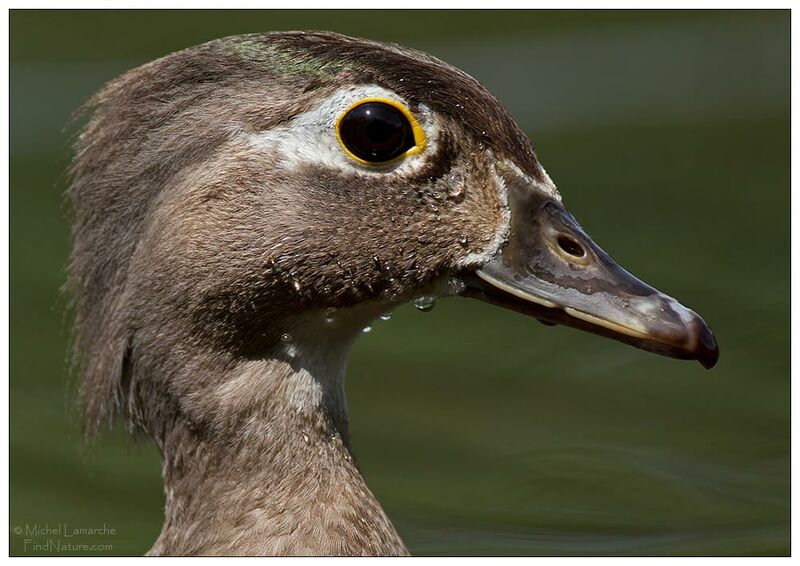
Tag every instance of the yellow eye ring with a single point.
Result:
(401, 113)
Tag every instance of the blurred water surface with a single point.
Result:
(481, 431)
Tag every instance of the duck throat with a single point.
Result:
(260, 464)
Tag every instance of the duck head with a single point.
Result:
(303, 183)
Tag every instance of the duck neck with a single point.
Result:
(272, 472)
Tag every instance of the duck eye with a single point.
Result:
(375, 132)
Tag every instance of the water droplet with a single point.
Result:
(296, 285)
(463, 241)
(425, 303)
(386, 316)
(286, 337)
(366, 329)
(455, 190)
(305, 438)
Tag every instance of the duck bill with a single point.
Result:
(551, 269)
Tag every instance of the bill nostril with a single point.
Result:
(570, 246)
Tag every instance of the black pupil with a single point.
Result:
(376, 132)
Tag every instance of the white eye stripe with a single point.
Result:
(310, 137)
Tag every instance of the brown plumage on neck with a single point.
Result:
(279, 479)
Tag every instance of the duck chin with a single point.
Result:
(339, 327)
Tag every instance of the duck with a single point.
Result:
(242, 209)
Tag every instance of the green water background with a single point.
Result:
(480, 430)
